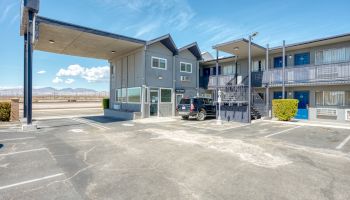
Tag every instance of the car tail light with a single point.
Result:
(192, 107)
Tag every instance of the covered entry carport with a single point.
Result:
(54, 36)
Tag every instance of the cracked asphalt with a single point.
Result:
(102, 158)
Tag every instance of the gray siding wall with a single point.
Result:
(128, 72)
(190, 87)
(312, 98)
(313, 50)
(153, 74)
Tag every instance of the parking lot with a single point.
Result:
(168, 158)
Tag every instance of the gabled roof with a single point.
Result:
(167, 41)
(194, 49)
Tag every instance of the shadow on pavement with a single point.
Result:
(103, 119)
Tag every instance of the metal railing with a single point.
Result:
(222, 80)
(309, 74)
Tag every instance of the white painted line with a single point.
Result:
(346, 140)
(65, 109)
(27, 151)
(314, 124)
(65, 116)
(30, 181)
(91, 124)
(280, 132)
(13, 139)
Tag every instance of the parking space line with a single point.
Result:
(30, 181)
(12, 139)
(280, 132)
(341, 145)
(27, 151)
(91, 124)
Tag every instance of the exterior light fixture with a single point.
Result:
(236, 48)
(290, 56)
(160, 77)
(255, 34)
(112, 51)
(52, 41)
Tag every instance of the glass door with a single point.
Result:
(154, 99)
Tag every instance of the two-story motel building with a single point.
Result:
(316, 72)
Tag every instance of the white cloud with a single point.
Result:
(92, 74)
(41, 72)
(69, 81)
(6, 11)
(153, 16)
(72, 70)
(57, 80)
(96, 73)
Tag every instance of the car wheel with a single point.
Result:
(201, 115)
(185, 117)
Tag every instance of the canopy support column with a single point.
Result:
(30, 67)
(25, 75)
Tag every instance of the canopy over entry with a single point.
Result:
(239, 48)
(64, 38)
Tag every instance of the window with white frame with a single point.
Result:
(329, 56)
(258, 65)
(185, 67)
(159, 63)
(333, 98)
(134, 95)
(165, 95)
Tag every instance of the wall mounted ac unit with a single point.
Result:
(185, 78)
(347, 115)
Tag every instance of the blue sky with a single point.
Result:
(207, 22)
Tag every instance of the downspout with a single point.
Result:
(283, 69)
(267, 95)
(197, 78)
(144, 87)
(174, 85)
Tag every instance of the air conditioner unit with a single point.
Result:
(185, 78)
(347, 115)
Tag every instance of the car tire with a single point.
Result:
(184, 117)
(201, 115)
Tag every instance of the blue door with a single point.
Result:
(303, 97)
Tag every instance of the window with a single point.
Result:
(333, 55)
(165, 95)
(185, 67)
(302, 59)
(333, 98)
(258, 66)
(278, 62)
(159, 63)
(134, 95)
(228, 69)
(120, 95)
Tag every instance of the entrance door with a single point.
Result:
(154, 97)
(303, 97)
(178, 98)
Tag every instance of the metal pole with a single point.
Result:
(217, 74)
(30, 67)
(283, 69)
(267, 96)
(249, 78)
(25, 75)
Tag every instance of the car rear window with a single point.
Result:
(185, 101)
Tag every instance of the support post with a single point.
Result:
(173, 94)
(249, 78)
(217, 74)
(30, 67)
(267, 93)
(283, 69)
(25, 75)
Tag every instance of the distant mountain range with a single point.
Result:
(52, 91)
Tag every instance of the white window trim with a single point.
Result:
(185, 65)
(160, 96)
(166, 63)
(127, 97)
